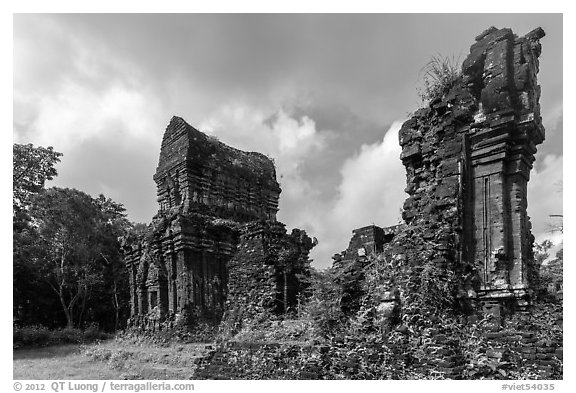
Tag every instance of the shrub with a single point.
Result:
(118, 359)
(65, 336)
(39, 336)
(31, 336)
(323, 307)
(93, 333)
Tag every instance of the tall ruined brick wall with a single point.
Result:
(501, 74)
(468, 157)
(466, 240)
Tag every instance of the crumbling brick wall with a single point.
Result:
(468, 156)
(266, 273)
(198, 173)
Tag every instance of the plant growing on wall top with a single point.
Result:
(439, 75)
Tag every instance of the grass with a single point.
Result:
(440, 74)
(58, 362)
(112, 359)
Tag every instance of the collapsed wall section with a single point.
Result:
(267, 273)
(368, 240)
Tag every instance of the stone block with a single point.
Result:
(447, 188)
(528, 350)
(449, 167)
(410, 151)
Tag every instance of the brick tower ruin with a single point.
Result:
(215, 203)
(468, 157)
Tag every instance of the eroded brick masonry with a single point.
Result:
(215, 242)
(468, 156)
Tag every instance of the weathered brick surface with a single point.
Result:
(263, 274)
(234, 360)
(197, 173)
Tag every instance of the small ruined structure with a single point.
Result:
(468, 157)
(365, 241)
(215, 240)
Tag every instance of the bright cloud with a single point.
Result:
(374, 180)
(289, 141)
(370, 192)
(76, 113)
(545, 195)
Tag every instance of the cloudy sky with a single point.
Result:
(324, 95)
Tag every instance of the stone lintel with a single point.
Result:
(489, 136)
(488, 165)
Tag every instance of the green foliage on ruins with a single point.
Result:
(322, 343)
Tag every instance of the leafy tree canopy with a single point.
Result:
(32, 166)
(77, 245)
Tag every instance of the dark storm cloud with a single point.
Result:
(369, 62)
(224, 51)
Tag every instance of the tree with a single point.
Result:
(65, 243)
(32, 166)
(78, 250)
(114, 224)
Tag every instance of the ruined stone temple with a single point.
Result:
(215, 244)
(468, 156)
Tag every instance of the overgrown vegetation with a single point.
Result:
(428, 341)
(550, 278)
(439, 75)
